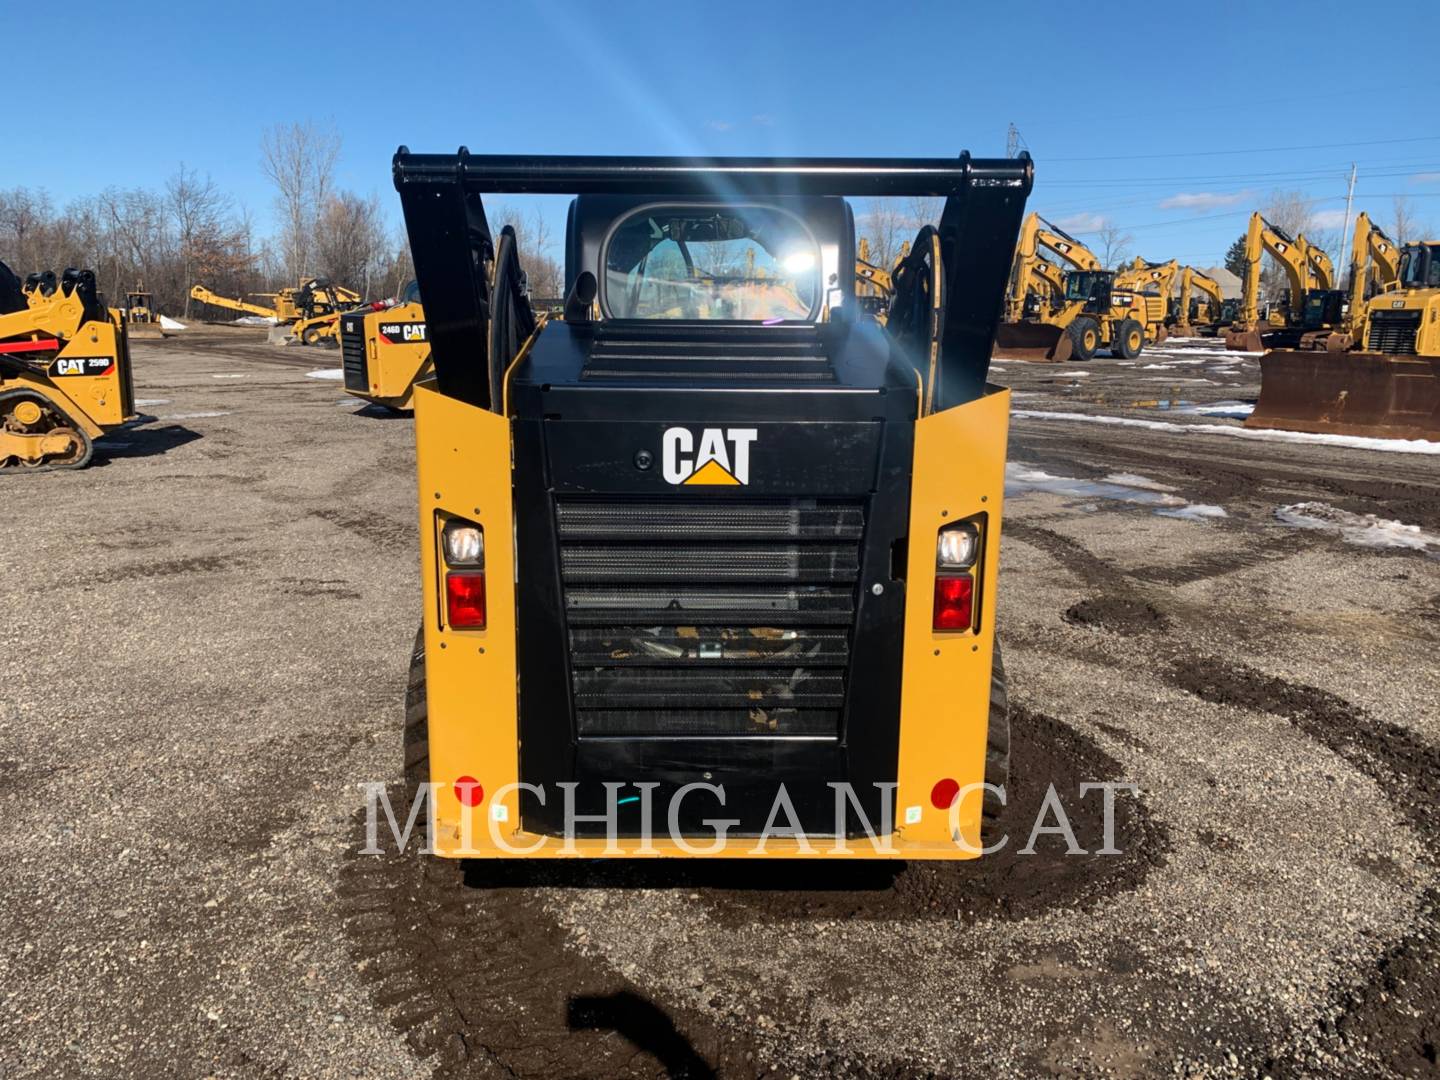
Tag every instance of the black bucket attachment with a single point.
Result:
(1359, 393)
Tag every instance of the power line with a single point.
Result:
(1252, 150)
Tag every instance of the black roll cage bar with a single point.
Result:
(452, 245)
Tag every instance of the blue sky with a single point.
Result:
(1174, 143)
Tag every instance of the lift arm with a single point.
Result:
(1262, 238)
(205, 296)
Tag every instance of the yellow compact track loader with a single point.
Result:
(386, 350)
(64, 370)
(1091, 313)
(1387, 383)
(710, 564)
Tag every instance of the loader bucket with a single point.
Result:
(1032, 341)
(1369, 394)
(279, 334)
(144, 331)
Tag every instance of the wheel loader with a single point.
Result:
(709, 565)
(141, 318)
(64, 370)
(1386, 384)
(1091, 314)
(386, 350)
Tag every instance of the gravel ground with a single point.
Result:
(205, 652)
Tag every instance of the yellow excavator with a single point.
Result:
(308, 313)
(64, 370)
(1091, 313)
(1306, 267)
(1377, 372)
(1195, 315)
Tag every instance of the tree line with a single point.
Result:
(190, 231)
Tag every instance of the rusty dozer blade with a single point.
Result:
(1032, 341)
(1369, 394)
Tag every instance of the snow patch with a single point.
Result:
(1195, 512)
(1353, 442)
(191, 415)
(1022, 479)
(1135, 480)
(1365, 530)
(253, 320)
(227, 376)
(167, 323)
(1155, 367)
(326, 373)
(152, 401)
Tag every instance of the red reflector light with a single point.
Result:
(943, 794)
(469, 791)
(465, 601)
(954, 602)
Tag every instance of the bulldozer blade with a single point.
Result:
(144, 331)
(1032, 341)
(1370, 394)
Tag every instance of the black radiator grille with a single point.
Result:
(709, 618)
(637, 350)
(352, 353)
(1393, 332)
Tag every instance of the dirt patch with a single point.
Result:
(480, 980)
(481, 984)
(196, 564)
(1007, 884)
(1395, 1013)
(1118, 614)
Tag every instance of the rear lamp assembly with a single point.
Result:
(957, 555)
(464, 543)
(462, 546)
(957, 547)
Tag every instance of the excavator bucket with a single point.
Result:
(1032, 341)
(1358, 393)
(1243, 340)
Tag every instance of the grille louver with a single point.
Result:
(709, 618)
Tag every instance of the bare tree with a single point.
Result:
(1114, 245)
(1404, 225)
(350, 241)
(197, 209)
(299, 159)
(545, 274)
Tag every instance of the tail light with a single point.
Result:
(957, 559)
(465, 600)
(462, 548)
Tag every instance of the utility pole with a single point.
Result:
(1345, 234)
(1012, 140)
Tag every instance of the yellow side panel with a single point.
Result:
(395, 367)
(463, 456)
(945, 694)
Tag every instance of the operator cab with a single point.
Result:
(1420, 266)
(1091, 286)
